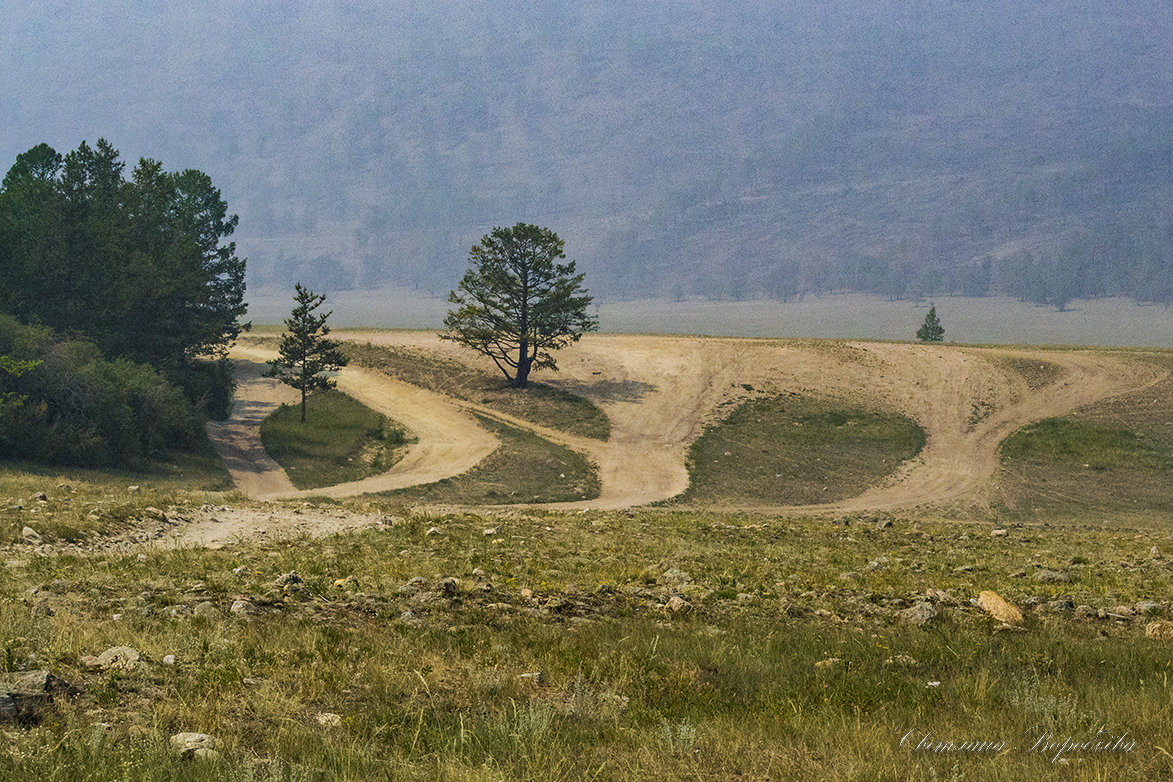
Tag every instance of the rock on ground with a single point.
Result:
(994, 605)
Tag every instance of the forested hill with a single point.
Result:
(681, 148)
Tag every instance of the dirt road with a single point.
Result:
(660, 392)
(449, 441)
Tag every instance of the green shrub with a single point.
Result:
(82, 409)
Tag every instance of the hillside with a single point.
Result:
(682, 149)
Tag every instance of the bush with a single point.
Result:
(82, 409)
(207, 384)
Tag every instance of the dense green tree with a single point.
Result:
(140, 266)
(306, 354)
(931, 330)
(518, 303)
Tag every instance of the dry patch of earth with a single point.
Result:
(659, 392)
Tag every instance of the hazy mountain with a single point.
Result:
(681, 148)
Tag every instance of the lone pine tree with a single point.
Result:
(931, 330)
(517, 303)
(306, 354)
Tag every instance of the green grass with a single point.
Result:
(1063, 464)
(524, 468)
(341, 440)
(539, 403)
(793, 450)
(627, 690)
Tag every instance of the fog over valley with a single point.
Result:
(685, 151)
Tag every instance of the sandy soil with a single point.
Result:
(659, 392)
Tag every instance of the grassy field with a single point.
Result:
(539, 403)
(551, 651)
(792, 450)
(525, 468)
(82, 503)
(1112, 455)
(341, 440)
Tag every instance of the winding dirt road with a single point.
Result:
(659, 393)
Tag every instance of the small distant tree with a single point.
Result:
(518, 303)
(306, 354)
(931, 330)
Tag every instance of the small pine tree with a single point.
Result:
(931, 330)
(306, 354)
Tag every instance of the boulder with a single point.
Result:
(919, 615)
(195, 745)
(26, 696)
(994, 605)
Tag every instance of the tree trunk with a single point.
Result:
(303, 405)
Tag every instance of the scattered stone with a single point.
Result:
(1018, 574)
(874, 565)
(236, 571)
(169, 659)
(329, 719)
(489, 531)
(30, 535)
(884, 524)
(1154, 553)
(26, 696)
(535, 676)
(449, 586)
(963, 569)
(1160, 630)
(478, 572)
(829, 663)
(207, 610)
(676, 576)
(902, 661)
(414, 585)
(1086, 612)
(407, 616)
(179, 611)
(349, 583)
(134, 489)
(40, 497)
(244, 608)
(746, 597)
(994, 605)
(1149, 608)
(195, 745)
(1064, 605)
(919, 615)
(432, 532)
(527, 593)
(940, 596)
(999, 533)
(678, 605)
(118, 658)
(154, 513)
(1051, 577)
(292, 578)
